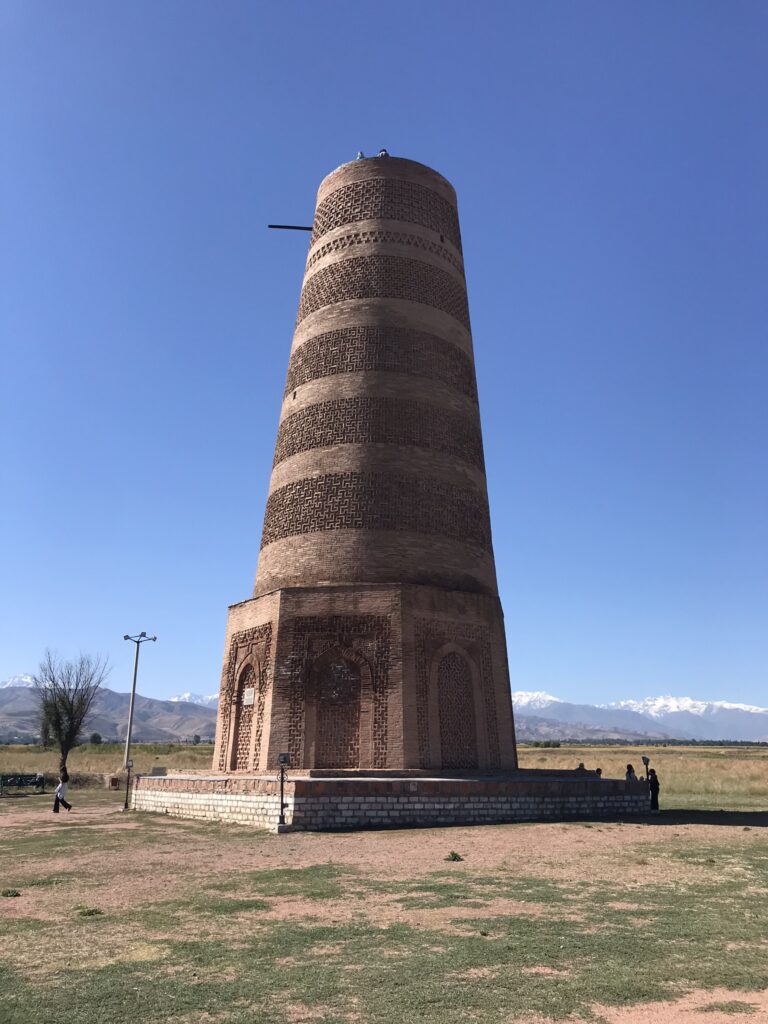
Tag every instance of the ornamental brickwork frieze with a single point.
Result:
(384, 277)
(387, 199)
(377, 501)
(393, 349)
(405, 238)
(373, 420)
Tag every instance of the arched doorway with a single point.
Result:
(337, 689)
(242, 712)
(456, 708)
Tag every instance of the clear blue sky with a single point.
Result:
(611, 161)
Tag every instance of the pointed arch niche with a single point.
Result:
(246, 715)
(456, 713)
(338, 709)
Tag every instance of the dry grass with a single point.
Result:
(108, 757)
(704, 777)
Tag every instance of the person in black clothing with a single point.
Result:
(653, 785)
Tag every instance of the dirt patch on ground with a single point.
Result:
(716, 1006)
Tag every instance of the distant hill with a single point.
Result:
(538, 716)
(154, 721)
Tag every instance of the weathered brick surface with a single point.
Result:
(390, 803)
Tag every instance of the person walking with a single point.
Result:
(630, 776)
(653, 785)
(60, 796)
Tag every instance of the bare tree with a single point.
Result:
(67, 690)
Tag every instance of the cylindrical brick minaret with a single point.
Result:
(374, 638)
(378, 473)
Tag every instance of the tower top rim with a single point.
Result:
(388, 167)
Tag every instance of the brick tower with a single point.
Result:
(374, 639)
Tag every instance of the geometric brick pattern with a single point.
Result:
(337, 694)
(377, 501)
(387, 199)
(373, 420)
(344, 242)
(394, 349)
(456, 705)
(365, 638)
(386, 277)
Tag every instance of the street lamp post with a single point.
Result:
(138, 640)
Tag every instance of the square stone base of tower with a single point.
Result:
(407, 800)
(371, 677)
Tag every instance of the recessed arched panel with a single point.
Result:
(337, 686)
(242, 713)
(456, 708)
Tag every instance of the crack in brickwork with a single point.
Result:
(475, 642)
(311, 637)
(399, 350)
(258, 642)
(384, 277)
(372, 420)
(387, 199)
(388, 237)
(377, 501)
(456, 705)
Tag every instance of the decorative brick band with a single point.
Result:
(371, 501)
(371, 420)
(384, 277)
(387, 199)
(390, 237)
(352, 349)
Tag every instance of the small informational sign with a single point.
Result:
(249, 694)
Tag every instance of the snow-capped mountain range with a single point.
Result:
(653, 717)
(211, 701)
(26, 681)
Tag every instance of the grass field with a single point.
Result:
(705, 777)
(139, 918)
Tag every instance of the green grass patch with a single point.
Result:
(730, 1006)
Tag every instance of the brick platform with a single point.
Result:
(368, 802)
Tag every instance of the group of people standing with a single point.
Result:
(653, 785)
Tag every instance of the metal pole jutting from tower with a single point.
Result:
(138, 640)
